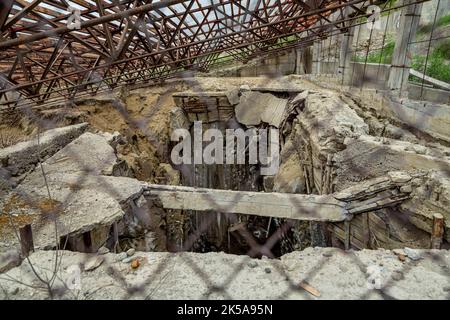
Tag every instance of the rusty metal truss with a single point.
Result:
(45, 56)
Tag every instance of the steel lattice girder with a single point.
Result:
(127, 41)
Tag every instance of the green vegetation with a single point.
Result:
(443, 49)
(444, 21)
(379, 56)
(438, 66)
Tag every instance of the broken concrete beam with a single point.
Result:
(292, 206)
(89, 153)
(22, 156)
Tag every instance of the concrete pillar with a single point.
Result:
(303, 60)
(345, 56)
(299, 68)
(317, 47)
(401, 58)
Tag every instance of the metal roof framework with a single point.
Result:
(45, 56)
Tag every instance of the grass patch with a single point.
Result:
(444, 21)
(443, 49)
(380, 56)
(437, 65)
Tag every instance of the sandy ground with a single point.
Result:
(314, 273)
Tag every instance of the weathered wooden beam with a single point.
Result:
(26, 240)
(437, 231)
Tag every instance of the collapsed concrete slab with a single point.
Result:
(366, 157)
(255, 107)
(81, 197)
(23, 156)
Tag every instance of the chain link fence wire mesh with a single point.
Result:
(52, 279)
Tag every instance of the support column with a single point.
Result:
(345, 56)
(299, 68)
(303, 60)
(401, 58)
(317, 47)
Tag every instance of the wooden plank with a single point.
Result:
(437, 232)
(26, 240)
(365, 229)
(347, 235)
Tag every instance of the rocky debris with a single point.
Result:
(399, 176)
(93, 263)
(252, 264)
(121, 256)
(135, 264)
(128, 260)
(23, 156)
(102, 250)
(297, 275)
(244, 87)
(301, 97)
(412, 254)
(290, 177)
(398, 275)
(233, 96)
(410, 223)
(393, 132)
(131, 252)
(9, 259)
(170, 176)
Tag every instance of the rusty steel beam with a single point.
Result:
(131, 40)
